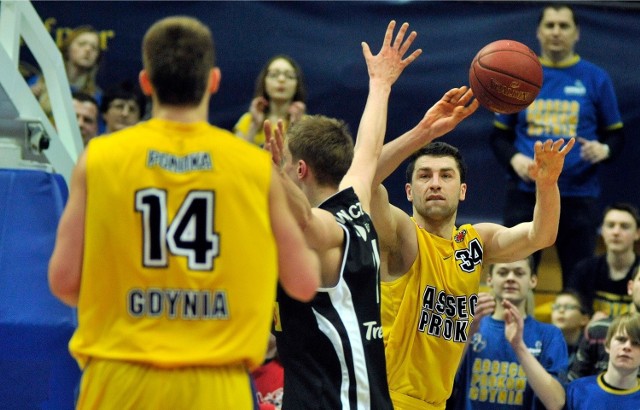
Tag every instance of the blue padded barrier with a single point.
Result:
(36, 370)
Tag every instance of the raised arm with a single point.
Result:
(508, 244)
(441, 118)
(298, 265)
(384, 69)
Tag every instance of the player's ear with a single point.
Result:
(407, 190)
(145, 83)
(302, 170)
(463, 191)
(214, 80)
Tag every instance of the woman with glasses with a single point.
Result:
(280, 95)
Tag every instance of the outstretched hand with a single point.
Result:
(274, 142)
(388, 64)
(548, 160)
(447, 113)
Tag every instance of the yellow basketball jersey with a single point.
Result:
(426, 315)
(180, 261)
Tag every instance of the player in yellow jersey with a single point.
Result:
(430, 268)
(174, 302)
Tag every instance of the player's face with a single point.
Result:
(281, 81)
(435, 188)
(619, 231)
(512, 281)
(84, 50)
(557, 32)
(624, 353)
(566, 314)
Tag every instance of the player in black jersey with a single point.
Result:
(331, 348)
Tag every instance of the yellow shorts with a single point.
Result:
(119, 385)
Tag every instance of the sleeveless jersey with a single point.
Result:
(180, 263)
(426, 315)
(331, 348)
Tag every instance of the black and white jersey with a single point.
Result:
(332, 348)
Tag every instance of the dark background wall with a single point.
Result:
(324, 37)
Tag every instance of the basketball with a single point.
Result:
(505, 76)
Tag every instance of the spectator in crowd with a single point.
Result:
(602, 279)
(619, 386)
(122, 106)
(577, 100)
(592, 356)
(86, 109)
(81, 53)
(280, 94)
(173, 302)
(513, 361)
(570, 314)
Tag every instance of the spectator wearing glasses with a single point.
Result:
(570, 314)
(280, 94)
(123, 105)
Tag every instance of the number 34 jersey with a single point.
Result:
(426, 315)
(180, 262)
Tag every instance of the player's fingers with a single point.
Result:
(412, 57)
(366, 51)
(405, 46)
(565, 150)
(400, 36)
(389, 34)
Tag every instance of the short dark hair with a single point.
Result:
(584, 308)
(84, 97)
(126, 90)
(557, 7)
(301, 90)
(325, 144)
(624, 207)
(437, 149)
(178, 54)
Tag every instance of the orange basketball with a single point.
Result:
(505, 76)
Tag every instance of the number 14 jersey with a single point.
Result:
(180, 262)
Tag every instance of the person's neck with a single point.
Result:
(75, 73)
(572, 336)
(318, 194)
(179, 113)
(279, 110)
(442, 228)
(558, 58)
(620, 263)
(625, 379)
(498, 313)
